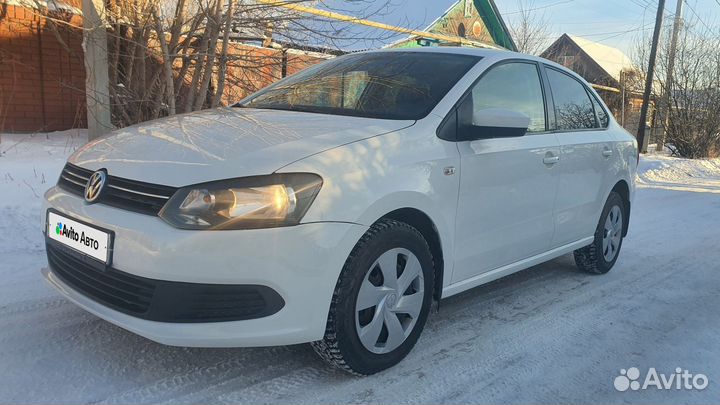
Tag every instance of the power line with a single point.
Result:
(642, 5)
(642, 27)
(538, 8)
(698, 16)
(622, 33)
(595, 34)
(645, 4)
(600, 22)
(618, 33)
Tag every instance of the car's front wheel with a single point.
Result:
(381, 300)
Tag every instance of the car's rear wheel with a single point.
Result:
(600, 256)
(381, 300)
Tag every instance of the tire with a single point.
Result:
(388, 243)
(600, 256)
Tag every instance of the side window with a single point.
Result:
(513, 86)
(601, 113)
(573, 108)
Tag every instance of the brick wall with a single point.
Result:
(251, 68)
(41, 81)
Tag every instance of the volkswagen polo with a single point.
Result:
(336, 205)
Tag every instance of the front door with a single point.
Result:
(507, 185)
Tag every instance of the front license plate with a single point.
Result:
(79, 236)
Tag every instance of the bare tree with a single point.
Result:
(529, 28)
(173, 56)
(692, 127)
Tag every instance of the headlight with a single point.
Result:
(244, 203)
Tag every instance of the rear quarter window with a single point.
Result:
(602, 115)
(573, 107)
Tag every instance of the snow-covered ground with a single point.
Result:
(546, 335)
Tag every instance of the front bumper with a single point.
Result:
(301, 264)
(160, 300)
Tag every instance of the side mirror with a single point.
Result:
(494, 123)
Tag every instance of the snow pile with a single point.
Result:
(702, 175)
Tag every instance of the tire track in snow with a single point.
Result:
(279, 389)
(299, 356)
(197, 379)
(25, 308)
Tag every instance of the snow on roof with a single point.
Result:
(612, 60)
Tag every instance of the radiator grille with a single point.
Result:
(130, 195)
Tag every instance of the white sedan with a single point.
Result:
(337, 205)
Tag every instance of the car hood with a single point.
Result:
(222, 143)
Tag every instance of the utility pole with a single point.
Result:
(622, 98)
(642, 142)
(97, 90)
(669, 78)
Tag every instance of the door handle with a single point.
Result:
(551, 160)
(607, 152)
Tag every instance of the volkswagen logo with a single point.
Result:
(95, 185)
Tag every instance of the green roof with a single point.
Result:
(495, 24)
(477, 20)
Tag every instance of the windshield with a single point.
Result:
(388, 85)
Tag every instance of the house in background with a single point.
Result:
(617, 80)
(476, 20)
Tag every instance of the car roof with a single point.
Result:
(458, 50)
(495, 54)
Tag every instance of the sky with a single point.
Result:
(617, 23)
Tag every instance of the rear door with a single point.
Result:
(586, 153)
(507, 185)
